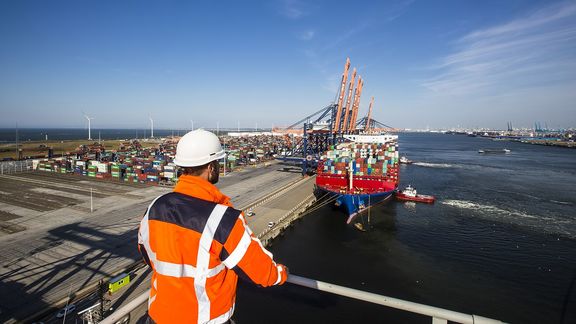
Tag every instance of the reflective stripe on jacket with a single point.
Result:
(197, 245)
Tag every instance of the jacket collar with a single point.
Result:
(202, 189)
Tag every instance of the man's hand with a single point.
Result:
(283, 274)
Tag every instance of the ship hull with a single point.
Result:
(354, 204)
(360, 173)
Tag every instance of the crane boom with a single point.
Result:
(349, 100)
(356, 105)
(367, 126)
(342, 93)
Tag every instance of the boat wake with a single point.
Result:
(561, 202)
(548, 224)
(435, 165)
(492, 210)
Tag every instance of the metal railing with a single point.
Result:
(439, 315)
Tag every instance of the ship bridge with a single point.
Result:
(369, 138)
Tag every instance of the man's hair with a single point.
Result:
(197, 170)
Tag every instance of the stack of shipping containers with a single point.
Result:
(154, 165)
(362, 160)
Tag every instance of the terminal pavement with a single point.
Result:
(268, 215)
(65, 248)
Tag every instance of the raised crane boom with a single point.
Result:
(356, 105)
(349, 100)
(342, 93)
(367, 126)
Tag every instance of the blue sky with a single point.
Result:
(427, 63)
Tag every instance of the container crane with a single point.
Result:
(320, 130)
(349, 101)
(356, 105)
(342, 93)
(367, 126)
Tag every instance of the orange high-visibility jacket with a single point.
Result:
(197, 245)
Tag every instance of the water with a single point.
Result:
(499, 242)
(8, 135)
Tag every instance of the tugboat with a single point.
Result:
(410, 194)
(404, 160)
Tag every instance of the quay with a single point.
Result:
(549, 142)
(63, 234)
(535, 137)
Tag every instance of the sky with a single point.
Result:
(437, 64)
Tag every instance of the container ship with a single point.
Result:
(359, 173)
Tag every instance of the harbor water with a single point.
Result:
(499, 242)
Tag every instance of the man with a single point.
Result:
(197, 243)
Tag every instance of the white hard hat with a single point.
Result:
(197, 148)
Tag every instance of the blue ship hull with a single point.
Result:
(354, 204)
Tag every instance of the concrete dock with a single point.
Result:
(54, 246)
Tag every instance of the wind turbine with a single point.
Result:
(192, 122)
(151, 127)
(89, 119)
